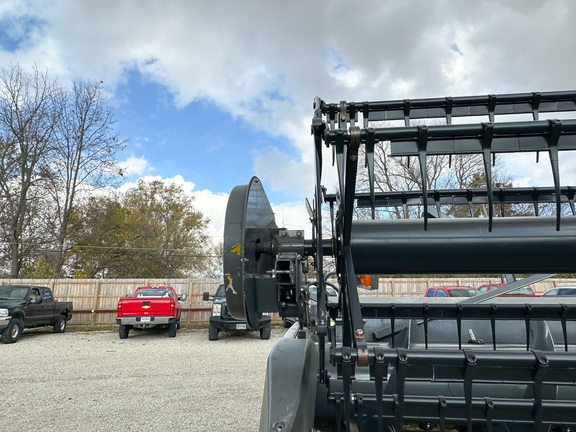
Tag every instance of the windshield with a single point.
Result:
(154, 292)
(221, 293)
(463, 292)
(521, 291)
(13, 292)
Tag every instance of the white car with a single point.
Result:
(568, 290)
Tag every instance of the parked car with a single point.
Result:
(148, 307)
(451, 291)
(30, 306)
(567, 290)
(221, 320)
(525, 291)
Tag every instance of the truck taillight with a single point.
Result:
(119, 310)
(172, 305)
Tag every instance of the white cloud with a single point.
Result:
(293, 216)
(135, 166)
(213, 206)
(244, 63)
(282, 171)
(252, 63)
(527, 172)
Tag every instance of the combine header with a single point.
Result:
(485, 363)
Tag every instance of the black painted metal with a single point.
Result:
(284, 405)
(463, 245)
(452, 107)
(249, 222)
(522, 384)
(382, 365)
(493, 245)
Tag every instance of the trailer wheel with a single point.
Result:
(60, 325)
(123, 331)
(212, 332)
(265, 331)
(12, 333)
(172, 330)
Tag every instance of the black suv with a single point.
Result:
(221, 320)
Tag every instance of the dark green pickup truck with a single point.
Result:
(29, 306)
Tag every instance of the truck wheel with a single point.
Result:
(123, 331)
(172, 330)
(60, 324)
(212, 332)
(265, 331)
(12, 333)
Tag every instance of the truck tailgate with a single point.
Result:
(146, 306)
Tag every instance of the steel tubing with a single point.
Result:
(515, 245)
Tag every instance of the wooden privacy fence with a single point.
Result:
(95, 300)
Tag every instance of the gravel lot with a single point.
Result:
(94, 381)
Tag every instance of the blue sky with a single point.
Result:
(206, 146)
(209, 94)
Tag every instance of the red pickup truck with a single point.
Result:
(149, 307)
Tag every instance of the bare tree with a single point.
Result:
(28, 118)
(215, 262)
(86, 144)
(442, 172)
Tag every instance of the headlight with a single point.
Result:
(265, 313)
(3, 312)
(216, 310)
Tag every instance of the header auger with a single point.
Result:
(485, 363)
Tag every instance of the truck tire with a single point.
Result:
(172, 330)
(12, 333)
(123, 331)
(266, 331)
(60, 325)
(212, 332)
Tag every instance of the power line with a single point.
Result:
(38, 247)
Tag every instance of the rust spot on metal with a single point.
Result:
(363, 357)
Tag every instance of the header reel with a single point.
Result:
(388, 363)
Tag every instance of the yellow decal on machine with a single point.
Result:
(229, 284)
(237, 249)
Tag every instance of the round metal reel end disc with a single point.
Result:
(249, 221)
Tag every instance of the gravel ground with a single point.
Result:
(94, 381)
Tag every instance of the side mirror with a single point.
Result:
(182, 297)
(206, 296)
(128, 295)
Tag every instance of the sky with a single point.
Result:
(210, 93)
